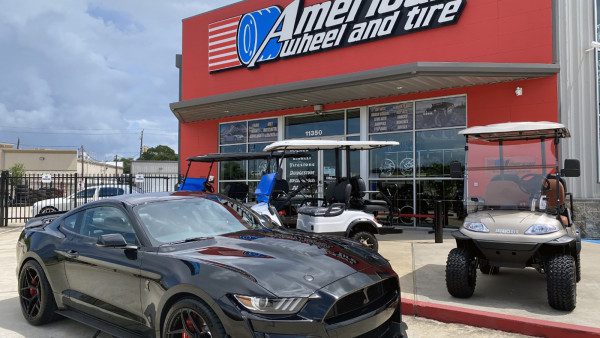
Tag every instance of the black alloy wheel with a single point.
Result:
(35, 295)
(190, 318)
(367, 239)
(48, 210)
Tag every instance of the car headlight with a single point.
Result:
(476, 227)
(541, 229)
(271, 305)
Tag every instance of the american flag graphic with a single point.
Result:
(222, 44)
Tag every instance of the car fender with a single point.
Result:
(161, 311)
(29, 255)
(359, 221)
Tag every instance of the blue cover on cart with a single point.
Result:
(265, 188)
(193, 184)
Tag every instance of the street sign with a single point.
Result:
(139, 178)
(46, 178)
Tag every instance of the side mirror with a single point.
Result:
(572, 168)
(456, 170)
(113, 241)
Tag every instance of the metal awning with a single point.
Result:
(229, 157)
(328, 144)
(377, 83)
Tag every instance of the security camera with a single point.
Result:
(318, 109)
(593, 45)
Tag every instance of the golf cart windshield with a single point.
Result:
(511, 175)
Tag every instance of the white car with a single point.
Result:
(90, 194)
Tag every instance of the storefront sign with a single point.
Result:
(262, 131)
(273, 33)
(46, 178)
(393, 117)
(441, 113)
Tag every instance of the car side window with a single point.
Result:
(107, 220)
(70, 223)
(89, 193)
(110, 191)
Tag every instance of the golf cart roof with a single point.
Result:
(328, 144)
(517, 131)
(226, 157)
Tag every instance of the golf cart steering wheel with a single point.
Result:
(209, 187)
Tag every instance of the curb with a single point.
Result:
(496, 321)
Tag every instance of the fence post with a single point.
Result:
(4, 198)
(75, 184)
(130, 183)
(439, 221)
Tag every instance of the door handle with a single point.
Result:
(72, 254)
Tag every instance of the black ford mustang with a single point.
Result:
(200, 265)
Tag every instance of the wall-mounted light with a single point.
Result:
(318, 109)
(519, 91)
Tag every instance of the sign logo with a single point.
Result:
(273, 33)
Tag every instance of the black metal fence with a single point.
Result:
(25, 196)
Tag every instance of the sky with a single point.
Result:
(92, 73)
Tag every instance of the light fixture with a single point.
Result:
(305, 100)
(318, 109)
(519, 91)
(399, 87)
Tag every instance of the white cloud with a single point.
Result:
(91, 65)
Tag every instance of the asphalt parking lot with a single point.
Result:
(12, 323)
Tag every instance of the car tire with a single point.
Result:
(35, 295)
(561, 282)
(489, 270)
(461, 273)
(367, 239)
(578, 267)
(47, 210)
(197, 316)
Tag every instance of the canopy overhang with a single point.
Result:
(377, 83)
(517, 131)
(229, 157)
(328, 144)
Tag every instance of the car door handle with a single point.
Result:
(72, 254)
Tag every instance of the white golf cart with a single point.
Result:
(343, 210)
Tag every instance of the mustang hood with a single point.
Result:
(287, 263)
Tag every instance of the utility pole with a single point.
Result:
(142, 143)
(116, 167)
(82, 161)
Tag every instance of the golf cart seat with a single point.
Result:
(358, 199)
(193, 184)
(341, 192)
(236, 190)
(552, 188)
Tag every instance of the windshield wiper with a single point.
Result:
(191, 239)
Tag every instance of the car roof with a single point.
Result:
(328, 144)
(137, 199)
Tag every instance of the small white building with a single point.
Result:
(154, 168)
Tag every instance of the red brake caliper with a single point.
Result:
(32, 288)
(190, 326)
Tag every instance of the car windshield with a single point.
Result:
(510, 175)
(190, 218)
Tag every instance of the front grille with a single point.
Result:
(363, 301)
(383, 331)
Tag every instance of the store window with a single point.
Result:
(415, 174)
(242, 137)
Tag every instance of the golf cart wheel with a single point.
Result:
(561, 282)
(578, 267)
(367, 239)
(489, 270)
(461, 273)
(35, 295)
(47, 210)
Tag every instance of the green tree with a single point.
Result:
(126, 165)
(16, 173)
(159, 153)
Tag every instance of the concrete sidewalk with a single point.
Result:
(421, 263)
